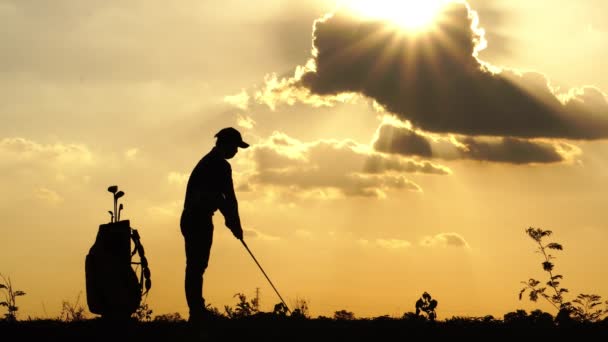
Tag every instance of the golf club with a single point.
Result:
(111, 216)
(116, 197)
(119, 210)
(274, 288)
(113, 189)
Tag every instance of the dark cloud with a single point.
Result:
(393, 139)
(434, 80)
(403, 141)
(495, 17)
(341, 166)
(377, 164)
(511, 150)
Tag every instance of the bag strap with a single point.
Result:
(145, 281)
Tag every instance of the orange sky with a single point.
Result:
(131, 93)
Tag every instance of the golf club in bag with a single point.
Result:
(113, 288)
(271, 284)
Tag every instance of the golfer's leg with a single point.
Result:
(205, 252)
(198, 245)
(194, 277)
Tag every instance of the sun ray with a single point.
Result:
(412, 15)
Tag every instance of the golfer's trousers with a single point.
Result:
(198, 237)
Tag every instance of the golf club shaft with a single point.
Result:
(256, 261)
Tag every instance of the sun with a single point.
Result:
(415, 15)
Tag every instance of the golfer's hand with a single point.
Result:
(237, 232)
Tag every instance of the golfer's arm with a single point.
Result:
(230, 207)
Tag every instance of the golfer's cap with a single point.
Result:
(231, 135)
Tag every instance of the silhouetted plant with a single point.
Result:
(280, 310)
(487, 319)
(344, 315)
(585, 308)
(536, 318)
(72, 312)
(412, 316)
(540, 318)
(213, 311)
(300, 308)
(533, 286)
(427, 305)
(169, 318)
(10, 298)
(243, 307)
(143, 313)
(515, 316)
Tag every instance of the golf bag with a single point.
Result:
(113, 287)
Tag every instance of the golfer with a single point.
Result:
(209, 188)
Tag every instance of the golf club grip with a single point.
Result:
(271, 284)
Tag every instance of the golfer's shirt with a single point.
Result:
(210, 188)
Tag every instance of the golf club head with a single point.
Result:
(113, 189)
(119, 210)
(119, 194)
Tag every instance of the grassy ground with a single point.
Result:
(275, 329)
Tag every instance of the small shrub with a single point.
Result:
(169, 318)
(213, 311)
(280, 310)
(427, 305)
(72, 312)
(412, 316)
(585, 308)
(143, 313)
(10, 296)
(300, 308)
(515, 316)
(243, 308)
(344, 315)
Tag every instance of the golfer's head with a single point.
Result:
(228, 141)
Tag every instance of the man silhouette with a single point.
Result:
(209, 188)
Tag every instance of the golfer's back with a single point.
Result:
(210, 179)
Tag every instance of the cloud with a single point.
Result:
(511, 150)
(393, 243)
(256, 234)
(48, 196)
(392, 139)
(29, 160)
(177, 178)
(435, 81)
(283, 90)
(245, 121)
(407, 142)
(445, 240)
(240, 100)
(345, 166)
(131, 153)
(24, 151)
